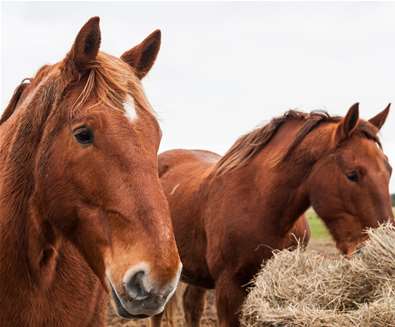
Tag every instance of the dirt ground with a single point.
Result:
(209, 318)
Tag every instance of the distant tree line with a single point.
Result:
(393, 199)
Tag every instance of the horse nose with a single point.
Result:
(141, 294)
(135, 286)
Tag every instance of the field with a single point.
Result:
(318, 229)
(320, 241)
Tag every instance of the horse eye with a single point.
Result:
(83, 135)
(353, 176)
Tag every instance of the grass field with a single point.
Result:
(317, 227)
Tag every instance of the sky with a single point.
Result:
(225, 68)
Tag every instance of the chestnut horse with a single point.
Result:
(229, 213)
(82, 211)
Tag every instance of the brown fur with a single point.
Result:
(230, 213)
(72, 216)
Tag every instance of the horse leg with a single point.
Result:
(170, 312)
(193, 303)
(229, 299)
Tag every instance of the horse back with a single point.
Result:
(174, 158)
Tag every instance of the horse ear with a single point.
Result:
(86, 45)
(380, 118)
(143, 55)
(348, 124)
(9, 110)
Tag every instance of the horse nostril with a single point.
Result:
(135, 286)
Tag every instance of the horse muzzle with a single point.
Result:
(138, 299)
(136, 309)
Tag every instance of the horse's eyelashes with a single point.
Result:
(84, 135)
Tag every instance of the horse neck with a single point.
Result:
(282, 189)
(16, 237)
(16, 281)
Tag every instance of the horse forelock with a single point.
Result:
(110, 81)
(252, 143)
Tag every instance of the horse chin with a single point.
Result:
(133, 310)
(349, 249)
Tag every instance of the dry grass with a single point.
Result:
(307, 289)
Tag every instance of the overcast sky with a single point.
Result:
(225, 68)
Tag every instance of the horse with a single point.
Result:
(230, 212)
(83, 217)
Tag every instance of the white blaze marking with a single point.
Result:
(130, 109)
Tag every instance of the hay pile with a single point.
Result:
(304, 289)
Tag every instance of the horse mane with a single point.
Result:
(252, 143)
(109, 81)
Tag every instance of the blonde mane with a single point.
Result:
(109, 81)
